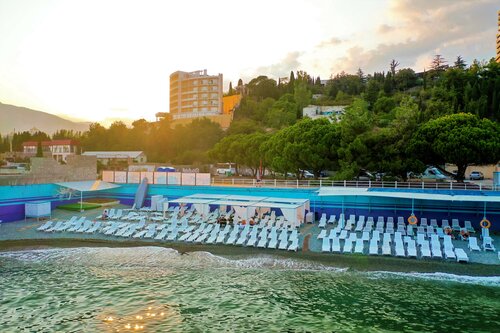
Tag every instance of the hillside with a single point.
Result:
(23, 119)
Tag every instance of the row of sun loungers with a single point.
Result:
(388, 244)
(363, 223)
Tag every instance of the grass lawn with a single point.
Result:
(76, 206)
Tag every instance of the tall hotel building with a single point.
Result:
(498, 39)
(195, 94)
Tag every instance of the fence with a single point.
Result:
(352, 184)
(161, 178)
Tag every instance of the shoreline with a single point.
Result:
(361, 263)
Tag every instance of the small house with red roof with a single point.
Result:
(58, 149)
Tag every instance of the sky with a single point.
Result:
(102, 60)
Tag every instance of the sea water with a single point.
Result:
(152, 289)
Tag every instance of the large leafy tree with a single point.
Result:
(461, 139)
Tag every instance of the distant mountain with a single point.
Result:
(23, 119)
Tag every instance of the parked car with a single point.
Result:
(307, 174)
(476, 175)
(364, 175)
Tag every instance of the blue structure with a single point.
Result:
(439, 204)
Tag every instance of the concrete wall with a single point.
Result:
(47, 170)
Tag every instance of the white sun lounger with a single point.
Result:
(233, 236)
(461, 255)
(469, 227)
(434, 223)
(194, 236)
(376, 236)
(445, 224)
(429, 231)
(390, 227)
(322, 234)
(343, 234)
(336, 245)
(123, 229)
(399, 249)
(366, 236)
(94, 228)
(54, 227)
(78, 224)
(411, 248)
(131, 230)
(347, 246)
(140, 234)
(86, 225)
(401, 220)
(420, 239)
(162, 234)
(252, 241)
(185, 236)
(448, 248)
(423, 222)
(243, 236)
(263, 239)
(488, 244)
(326, 246)
(201, 238)
(332, 219)
(283, 241)
(436, 247)
(360, 246)
(360, 225)
(425, 251)
(173, 235)
(45, 226)
(473, 246)
(455, 225)
(151, 231)
(373, 248)
(294, 245)
(386, 245)
(380, 226)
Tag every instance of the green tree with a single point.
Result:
(461, 139)
(39, 149)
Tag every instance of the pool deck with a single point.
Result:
(14, 234)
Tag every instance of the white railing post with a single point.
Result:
(451, 185)
(274, 182)
(369, 183)
(480, 186)
(396, 184)
(345, 183)
(232, 181)
(297, 183)
(423, 185)
(320, 183)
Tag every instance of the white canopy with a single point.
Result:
(343, 191)
(201, 205)
(293, 209)
(87, 186)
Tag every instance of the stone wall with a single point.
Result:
(47, 170)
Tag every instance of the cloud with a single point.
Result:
(385, 28)
(281, 68)
(334, 41)
(449, 28)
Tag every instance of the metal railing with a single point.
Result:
(306, 183)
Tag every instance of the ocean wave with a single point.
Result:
(490, 281)
(151, 256)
